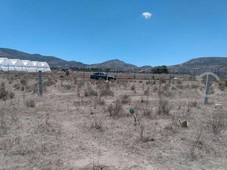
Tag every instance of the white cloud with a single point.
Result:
(147, 15)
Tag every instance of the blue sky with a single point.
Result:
(94, 31)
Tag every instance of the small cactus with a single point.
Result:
(132, 110)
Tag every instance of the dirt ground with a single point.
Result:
(127, 124)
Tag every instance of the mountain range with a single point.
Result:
(203, 63)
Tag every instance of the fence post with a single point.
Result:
(40, 83)
(207, 89)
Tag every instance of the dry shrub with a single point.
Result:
(17, 86)
(30, 103)
(143, 136)
(49, 82)
(90, 92)
(145, 108)
(162, 80)
(23, 82)
(187, 86)
(3, 124)
(179, 81)
(7, 120)
(147, 111)
(191, 104)
(80, 84)
(67, 86)
(164, 107)
(222, 85)
(218, 121)
(11, 95)
(150, 82)
(194, 86)
(125, 99)
(115, 109)
(106, 92)
(155, 88)
(97, 123)
(100, 101)
(105, 89)
(142, 100)
(35, 88)
(133, 87)
(147, 91)
(163, 90)
(75, 80)
(4, 93)
(180, 86)
(195, 145)
(122, 82)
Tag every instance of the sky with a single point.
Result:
(139, 32)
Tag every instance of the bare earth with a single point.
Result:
(87, 124)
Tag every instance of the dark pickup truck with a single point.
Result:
(102, 75)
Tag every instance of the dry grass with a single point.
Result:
(115, 110)
(85, 124)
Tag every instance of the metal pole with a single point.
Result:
(207, 89)
(8, 72)
(40, 83)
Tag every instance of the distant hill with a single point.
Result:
(115, 65)
(52, 61)
(199, 65)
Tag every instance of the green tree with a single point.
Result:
(160, 69)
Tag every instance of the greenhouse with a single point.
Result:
(18, 65)
(6, 64)
(23, 65)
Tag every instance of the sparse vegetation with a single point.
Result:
(111, 119)
(164, 107)
(133, 87)
(30, 103)
(115, 109)
(4, 93)
(218, 122)
(90, 92)
(97, 124)
(106, 92)
(125, 99)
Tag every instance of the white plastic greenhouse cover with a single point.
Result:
(45, 67)
(17, 64)
(23, 65)
(6, 64)
(29, 67)
(38, 66)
